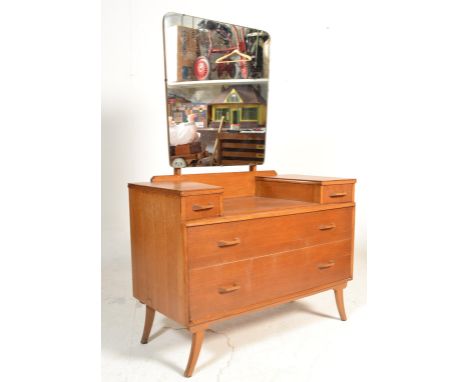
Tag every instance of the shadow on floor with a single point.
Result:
(258, 324)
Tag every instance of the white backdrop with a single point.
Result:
(375, 90)
(383, 87)
(322, 90)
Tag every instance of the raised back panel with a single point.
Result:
(235, 184)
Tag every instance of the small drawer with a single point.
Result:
(202, 206)
(338, 193)
(226, 242)
(221, 290)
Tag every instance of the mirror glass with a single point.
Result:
(216, 92)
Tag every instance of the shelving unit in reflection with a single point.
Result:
(216, 84)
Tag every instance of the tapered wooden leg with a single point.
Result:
(197, 340)
(340, 302)
(149, 318)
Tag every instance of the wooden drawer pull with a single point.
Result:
(327, 226)
(202, 207)
(326, 265)
(228, 243)
(228, 289)
(338, 194)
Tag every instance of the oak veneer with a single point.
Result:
(306, 188)
(158, 262)
(207, 247)
(258, 237)
(202, 206)
(217, 290)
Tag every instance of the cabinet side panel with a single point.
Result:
(139, 283)
(158, 264)
(353, 227)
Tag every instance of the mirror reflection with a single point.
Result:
(216, 89)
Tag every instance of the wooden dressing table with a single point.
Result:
(208, 247)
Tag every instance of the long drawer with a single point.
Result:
(218, 290)
(227, 242)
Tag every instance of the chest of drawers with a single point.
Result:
(209, 247)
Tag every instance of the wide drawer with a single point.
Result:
(219, 290)
(226, 242)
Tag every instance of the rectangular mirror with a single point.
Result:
(216, 92)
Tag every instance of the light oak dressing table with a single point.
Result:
(208, 247)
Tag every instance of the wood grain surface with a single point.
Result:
(260, 237)
(216, 290)
(235, 184)
(207, 247)
(158, 258)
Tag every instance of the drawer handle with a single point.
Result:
(338, 194)
(228, 289)
(326, 265)
(202, 207)
(228, 243)
(327, 226)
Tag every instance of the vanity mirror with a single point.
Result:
(216, 92)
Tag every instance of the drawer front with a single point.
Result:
(338, 193)
(219, 290)
(202, 206)
(226, 242)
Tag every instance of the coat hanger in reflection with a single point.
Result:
(225, 59)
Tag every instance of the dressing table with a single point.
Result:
(212, 246)
(208, 247)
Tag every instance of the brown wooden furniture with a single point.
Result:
(241, 148)
(208, 247)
